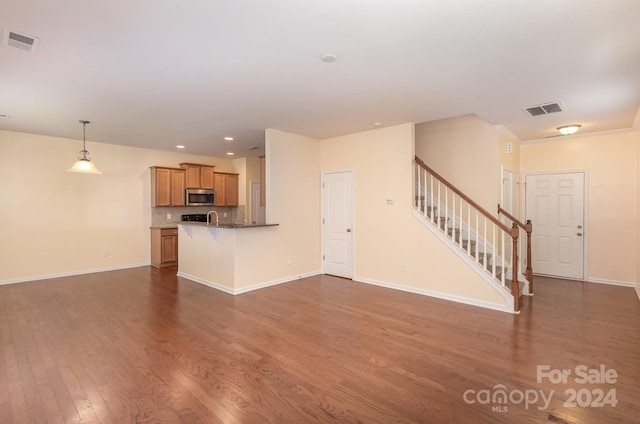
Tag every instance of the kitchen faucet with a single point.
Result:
(209, 217)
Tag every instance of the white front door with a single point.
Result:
(337, 223)
(555, 206)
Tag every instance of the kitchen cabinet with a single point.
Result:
(198, 176)
(226, 186)
(164, 247)
(167, 186)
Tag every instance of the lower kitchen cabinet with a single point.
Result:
(164, 247)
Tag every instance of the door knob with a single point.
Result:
(579, 226)
(348, 230)
(579, 234)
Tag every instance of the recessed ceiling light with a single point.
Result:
(328, 58)
(179, 146)
(377, 124)
(230, 153)
(569, 129)
(229, 138)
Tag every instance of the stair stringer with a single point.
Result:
(482, 273)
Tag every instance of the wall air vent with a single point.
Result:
(544, 109)
(20, 41)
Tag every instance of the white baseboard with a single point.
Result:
(638, 290)
(438, 295)
(234, 292)
(70, 273)
(612, 282)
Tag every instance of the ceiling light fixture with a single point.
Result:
(229, 138)
(230, 153)
(84, 164)
(569, 129)
(179, 146)
(328, 58)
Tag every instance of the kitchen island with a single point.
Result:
(227, 257)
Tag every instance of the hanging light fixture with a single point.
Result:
(84, 164)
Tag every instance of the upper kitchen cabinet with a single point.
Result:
(167, 186)
(226, 186)
(198, 176)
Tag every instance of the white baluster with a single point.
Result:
(433, 211)
(477, 237)
(493, 262)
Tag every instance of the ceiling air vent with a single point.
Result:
(544, 109)
(20, 41)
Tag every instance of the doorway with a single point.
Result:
(337, 223)
(555, 204)
(257, 211)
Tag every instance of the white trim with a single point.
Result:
(242, 290)
(71, 273)
(638, 290)
(612, 282)
(439, 295)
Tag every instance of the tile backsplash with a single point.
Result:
(235, 215)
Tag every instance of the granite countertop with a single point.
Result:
(171, 225)
(227, 225)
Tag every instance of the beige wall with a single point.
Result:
(293, 193)
(612, 177)
(636, 126)
(387, 237)
(56, 223)
(465, 151)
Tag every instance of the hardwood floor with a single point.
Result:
(144, 346)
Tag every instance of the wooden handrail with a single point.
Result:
(528, 227)
(513, 218)
(467, 199)
(514, 232)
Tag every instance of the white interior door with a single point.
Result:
(555, 206)
(337, 223)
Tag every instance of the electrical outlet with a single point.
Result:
(126, 217)
(168, 217)
(405, 268)
(290, 261)
(210, 263)
(106, 253)
(224, 215)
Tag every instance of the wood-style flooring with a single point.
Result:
(144, 346)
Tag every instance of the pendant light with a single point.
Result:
(83, 164)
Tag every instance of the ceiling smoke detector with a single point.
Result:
(20, 41)
(544, 109)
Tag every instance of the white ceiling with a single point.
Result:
(157, 73)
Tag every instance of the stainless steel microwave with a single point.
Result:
(200, 197)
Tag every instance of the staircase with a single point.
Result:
(488, 245)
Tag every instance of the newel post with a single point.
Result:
(515, 285)
(529, 228)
